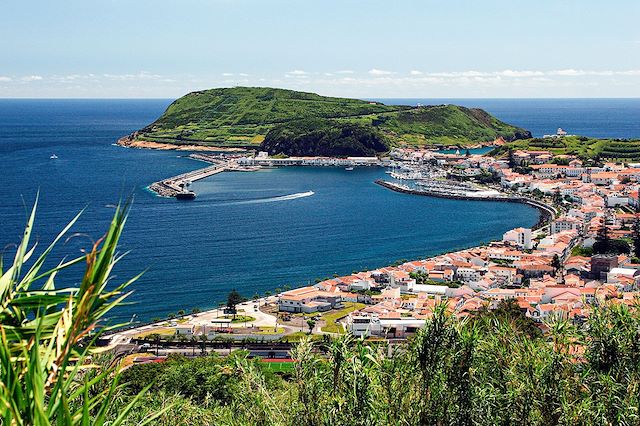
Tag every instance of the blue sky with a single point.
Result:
(359, 48)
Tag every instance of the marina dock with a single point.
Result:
(174, 185)
(547, 212)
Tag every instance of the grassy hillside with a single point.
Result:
(584, 147)
(243, 116)
(449, 124)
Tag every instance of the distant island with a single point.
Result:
(289, 122)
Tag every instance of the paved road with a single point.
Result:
(261, 319)
(204, 318)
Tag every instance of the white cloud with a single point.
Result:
(523, 73)
(297, 74)
(31, 78)
(568, 82)
(142, 75)
(567, 72)
(377, 72)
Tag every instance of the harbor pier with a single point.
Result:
(173, 186)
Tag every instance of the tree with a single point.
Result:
(512, 161)
(311, 324)
(536, 193)
(181, 312)
(604, 244)
(234, 298)
(556, 263)
(195, 310)
(203, 339)
(557, 197)
(507, 312)
(603, 240)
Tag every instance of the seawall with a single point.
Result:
(547, 213)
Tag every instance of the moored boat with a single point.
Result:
(186, 195)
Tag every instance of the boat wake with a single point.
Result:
(275, 199)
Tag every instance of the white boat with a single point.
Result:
(53, 156)
(348, 168)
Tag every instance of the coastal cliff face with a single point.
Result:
(299, 123)
(325, 138)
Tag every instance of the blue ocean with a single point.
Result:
(250, 231)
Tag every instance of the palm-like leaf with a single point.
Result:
(48, 334)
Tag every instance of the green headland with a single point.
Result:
(299, 123)
(621, 150)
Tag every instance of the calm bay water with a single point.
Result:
(250, 231)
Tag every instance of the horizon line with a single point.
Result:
(346, 97)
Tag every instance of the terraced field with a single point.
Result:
(620, 150)
(243, 116)
(586, 148)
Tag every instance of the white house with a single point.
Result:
(365, 325)
(520, 237)
(184, 330)
(566, 223)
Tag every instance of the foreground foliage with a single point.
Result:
(49, 369)
(487, 370)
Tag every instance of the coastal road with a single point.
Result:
(261, 319)
(204, 319)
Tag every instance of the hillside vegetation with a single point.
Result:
(244, 116)
(494, 368)
(325, 138)
(583, 147)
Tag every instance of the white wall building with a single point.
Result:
(566, 224)
(519, 236)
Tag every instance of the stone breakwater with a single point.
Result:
(176, 184)
(547, 213)
(172, 186)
